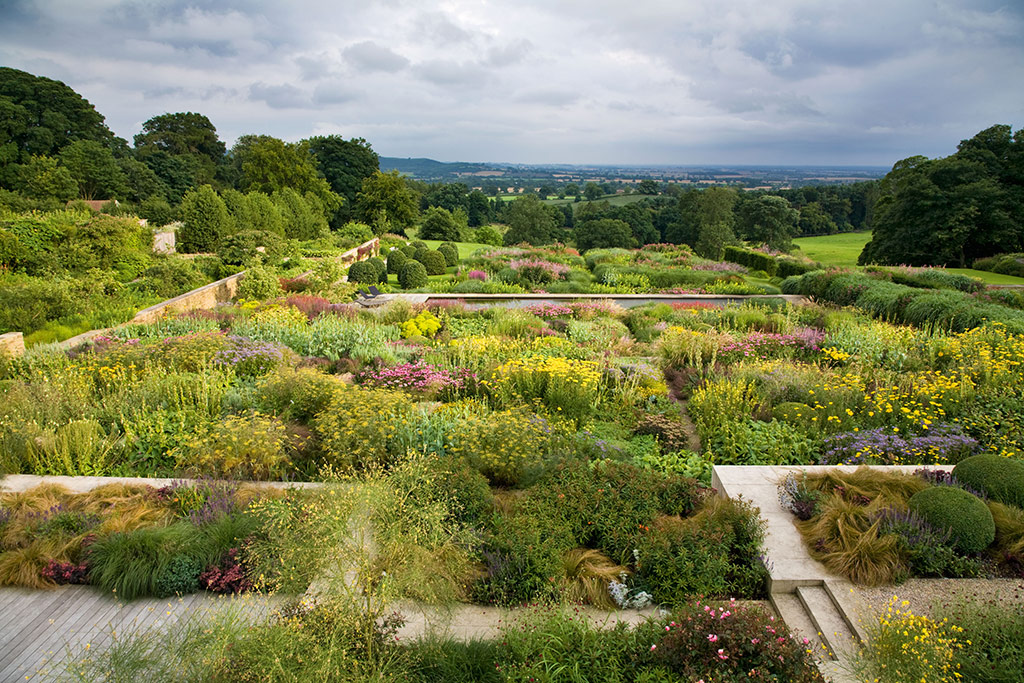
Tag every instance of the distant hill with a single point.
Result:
(428, 169)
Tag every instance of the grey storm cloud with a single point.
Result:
(659, 81)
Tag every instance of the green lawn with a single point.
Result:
(466, 249)
(834, 250)
(843, 250)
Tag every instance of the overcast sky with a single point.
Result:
(547, 81)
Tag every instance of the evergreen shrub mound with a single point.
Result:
(433, 261)
(998, 477)
(396, 259)
(409, 251)
(412, 275)
(380, 267)
(450, 253)
(363, 272)
(966, 516)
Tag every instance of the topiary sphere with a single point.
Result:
(966, 516)
(419, 244)
(412, 275)
(363, 272)
(409, 251)
(451, 254)
(396, 259)
(381, 268)
(434, 262)
(998, 477)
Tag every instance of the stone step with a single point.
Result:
(833, 665)
(829, 623)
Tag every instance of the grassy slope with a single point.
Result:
(843, 250)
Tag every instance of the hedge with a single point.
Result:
(945, 309)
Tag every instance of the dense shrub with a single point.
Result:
(178, 576)
(942, 309)
(754, 260)
(396, 259)
(205, 220)
(259, 283)
(380, 267)
(714, 553)
(1007, 264)
(412, 275)
(998, 477)
(363, 272)
(487, 234)
(732, 642)
(434, 261)
(450, 253)
(170, 276)
(244, 247)
(966, 516)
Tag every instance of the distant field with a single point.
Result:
(613, 199)
(843, 250)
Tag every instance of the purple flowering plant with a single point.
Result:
(944, 443)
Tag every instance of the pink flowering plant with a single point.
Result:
(549, 310)
(421, 378)
(732, 642)
(765, 345)
(538, 271)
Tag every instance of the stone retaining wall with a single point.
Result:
(205, 297)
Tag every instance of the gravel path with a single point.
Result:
(923, 593)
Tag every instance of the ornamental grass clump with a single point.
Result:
(908, 648)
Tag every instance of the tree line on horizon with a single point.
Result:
(55, 147)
